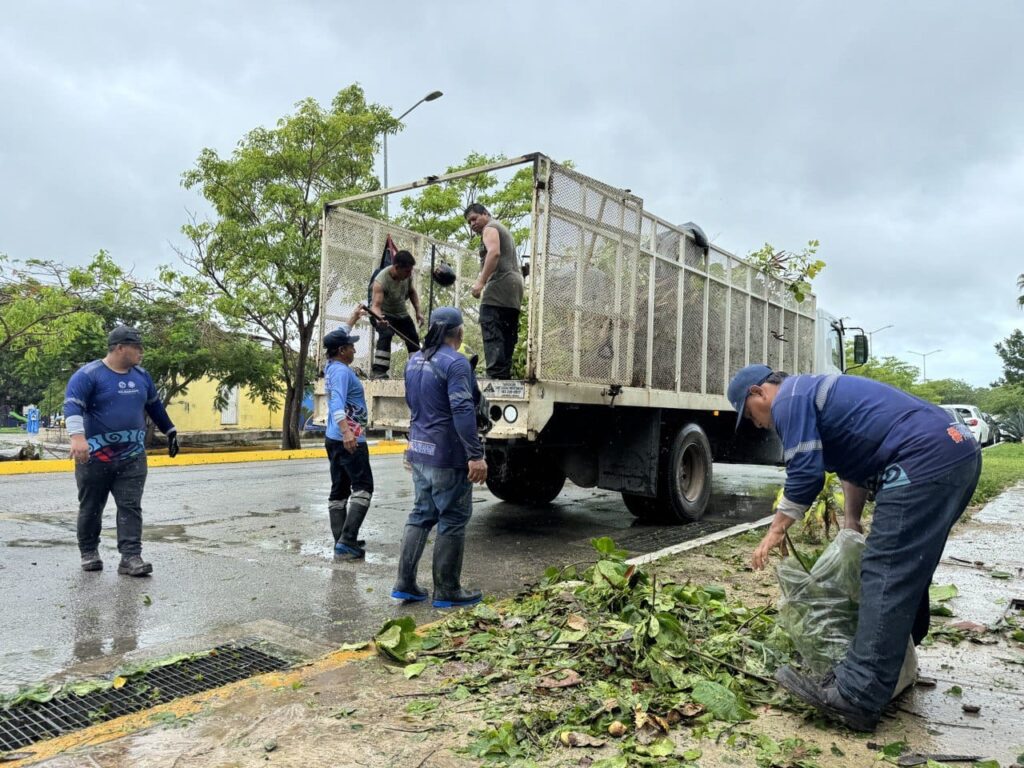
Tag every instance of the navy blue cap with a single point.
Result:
(339, 338)
(449, 317)
(739, 387)
(124, 335)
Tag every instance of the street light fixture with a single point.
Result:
(871, 336)
(924, 362)
(429, 97)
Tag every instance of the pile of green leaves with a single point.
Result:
(611, 653)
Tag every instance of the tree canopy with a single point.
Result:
(257, 264)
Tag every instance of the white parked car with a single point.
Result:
(979, 427)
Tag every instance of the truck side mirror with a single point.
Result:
(860, 349)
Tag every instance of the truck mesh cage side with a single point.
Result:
(627, 298)
(352, 248)
(616, 295)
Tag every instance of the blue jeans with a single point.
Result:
(443, 497)
(909, 529)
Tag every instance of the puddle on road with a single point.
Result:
(36, 543)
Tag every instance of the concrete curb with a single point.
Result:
(382, 448)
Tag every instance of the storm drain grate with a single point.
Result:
(32, 721)
(653, 538)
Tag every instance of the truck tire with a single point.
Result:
(642, 507)
(685, 481)
(527, 479)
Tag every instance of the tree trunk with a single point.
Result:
(289, 433)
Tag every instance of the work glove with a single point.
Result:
(172, 445)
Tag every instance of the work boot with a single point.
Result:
(824, 696)
(349, 546)
(134, 565)
(91, 561)
(414, 539)
(448, 592)
(337, 512)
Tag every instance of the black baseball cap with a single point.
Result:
(124, 335)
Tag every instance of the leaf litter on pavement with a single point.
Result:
(611, 656)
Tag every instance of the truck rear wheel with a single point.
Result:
(685, 481)
(525, 478)
(642, 507)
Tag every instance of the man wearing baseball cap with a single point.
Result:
(447, 457)
(347, 452)
(105, 409)
(923, 469)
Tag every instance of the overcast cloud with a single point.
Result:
(890, 132)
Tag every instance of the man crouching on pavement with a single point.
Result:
(447, 457)
(105, 409)
(923, 469)
(349, 457)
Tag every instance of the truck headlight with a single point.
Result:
(511, 413)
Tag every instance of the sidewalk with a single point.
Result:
(352, 709)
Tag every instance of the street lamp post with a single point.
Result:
(429, 97)
(871, 336)
(924, 362)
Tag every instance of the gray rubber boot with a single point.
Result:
(448, 592)
(414, 539)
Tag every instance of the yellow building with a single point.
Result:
(194, 412)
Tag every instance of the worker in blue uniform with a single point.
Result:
(922, 468)
(446, 456)
(345, 440)
(105, 408)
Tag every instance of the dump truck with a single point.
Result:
(633, 329)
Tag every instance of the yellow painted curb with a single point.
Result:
(382, 448)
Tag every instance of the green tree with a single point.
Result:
(258, 264)
(1002, 399)
(889, 370)
(438, 210)
(946, 391)
(1011, 350)
(182, 344)
(798, 269)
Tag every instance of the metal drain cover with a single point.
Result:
(650, 539)
(32, 721)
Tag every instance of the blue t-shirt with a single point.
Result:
(345, 400)
(112, 407)
(440, 395)
(867, 432)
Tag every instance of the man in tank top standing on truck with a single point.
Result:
(500, 290)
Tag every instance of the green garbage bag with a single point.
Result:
(818, 610)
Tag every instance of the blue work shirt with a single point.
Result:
(440, 395)
(112, 408)
(345, 400)
(866, 432)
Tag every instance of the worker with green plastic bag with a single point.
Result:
(922, 468)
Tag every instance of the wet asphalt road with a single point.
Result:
(236, 543)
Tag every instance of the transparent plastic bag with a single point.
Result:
(818, 610)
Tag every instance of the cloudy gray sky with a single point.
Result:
(889, 131)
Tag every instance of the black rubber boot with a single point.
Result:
(414, 539)
(350, 546)
(337, 511)
(91, 561)
(134, 565)
(448, 592)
